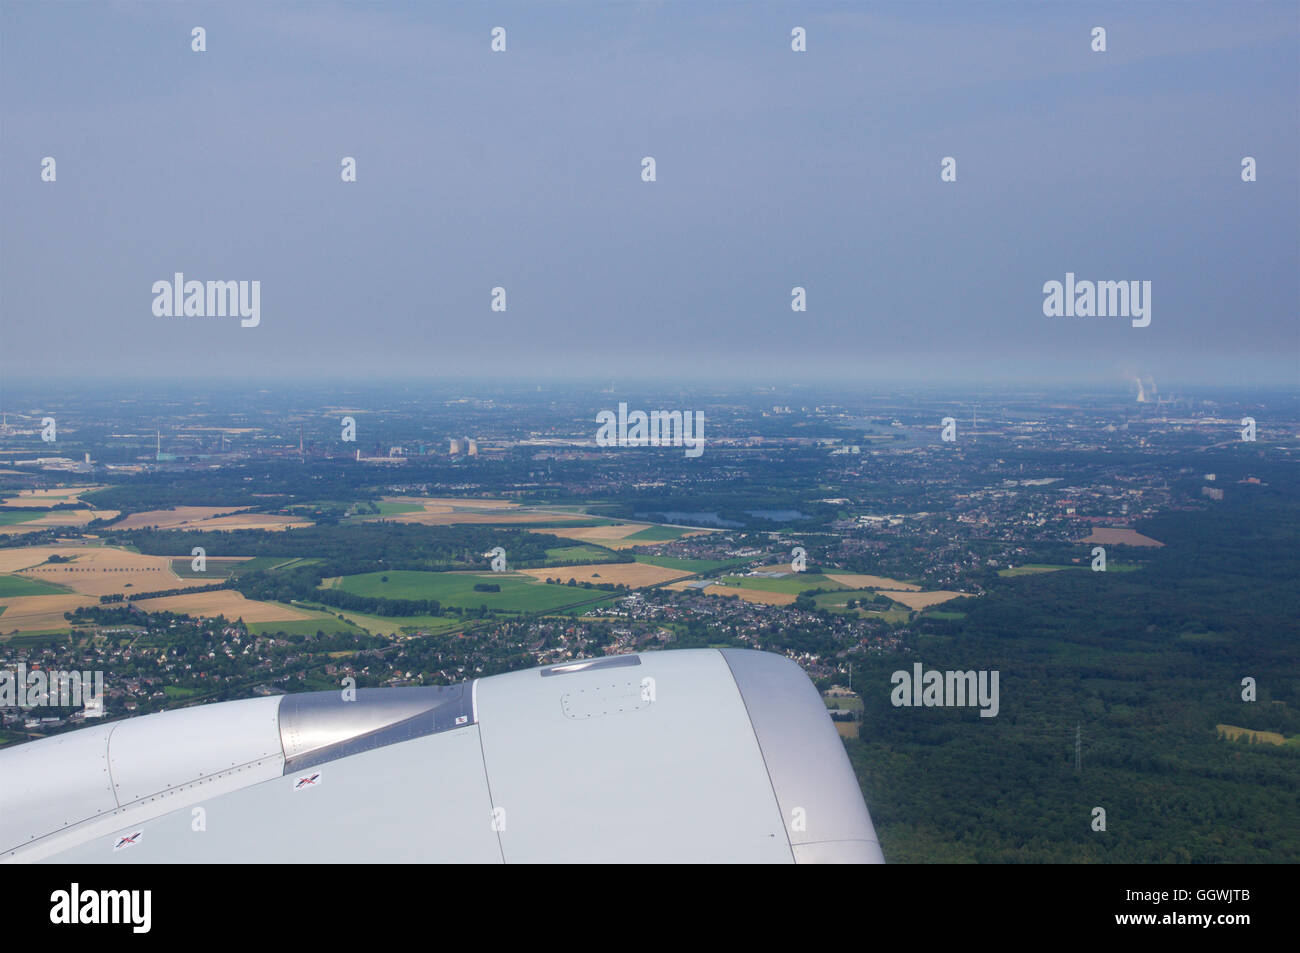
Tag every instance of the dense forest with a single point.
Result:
(1145, 665)
(361, 547)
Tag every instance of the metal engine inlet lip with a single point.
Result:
(315, 725)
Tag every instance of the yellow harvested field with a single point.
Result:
(209, 518)
(625, 574)
(611, 537)
(430, 518)
(1119, 536)
(597, 534)
(266, 521)
(916, 601)
(68, 494)
(96, 570)
(749, 595)
(13, 560)
(858, 581)
(226, 602)
(37, 613)
(760, 596)
(447, 511)
(171, 519)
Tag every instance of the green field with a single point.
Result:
(385, 508)
(217, 568)
(10, 517)
(585, 553)
(689, 565)
(389, 508)
(794, 583)
(318, 505)
(327, 624)
(518, 593)
(276, 563)
(220, 567)
(597, 603)
(844, 704)
(397, 625)
(837, 602)
(51, 637)
(22, 586)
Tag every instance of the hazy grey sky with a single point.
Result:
(522, 169)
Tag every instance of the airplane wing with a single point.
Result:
(699, 755)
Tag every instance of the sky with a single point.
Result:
(775, 169)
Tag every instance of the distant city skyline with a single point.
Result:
(776, 170)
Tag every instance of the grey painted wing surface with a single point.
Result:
(677, 757)
(826, 818)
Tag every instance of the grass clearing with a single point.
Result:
(1032, 569)
(1233, 732)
